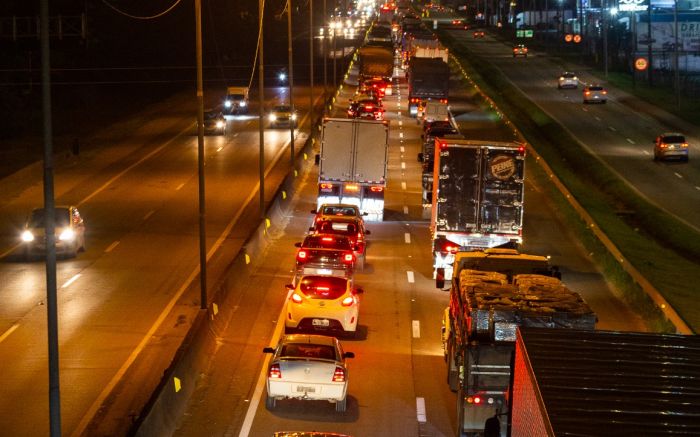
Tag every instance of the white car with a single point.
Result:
(568, 80)
(308, 367)
(323, 304)
(594, 94)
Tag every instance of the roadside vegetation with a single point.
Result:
(664, 249)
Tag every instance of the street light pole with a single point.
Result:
(311, 68)
(261, 117)
(325, 54)
(676, 74)
(200, 160)
(605, 38)
(292, 125)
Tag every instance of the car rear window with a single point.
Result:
(327, 242)
(305, 350)
(596, 88)
(674, 139)
(323, 287)
(338, 210)
(337, 227)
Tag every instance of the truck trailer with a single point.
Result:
(604, 383)
(428, 79)
(353, 164)
(479, 329)
(375, 61)
(477, 197)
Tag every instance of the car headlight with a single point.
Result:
(27, 236)
(220, 124)
(272, 117)
(67, 235)
(243, 104)
(227, 103)
(294, 117)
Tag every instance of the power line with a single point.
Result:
(136, 17)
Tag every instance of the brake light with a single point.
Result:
(521, 150)
(327, 186)
(296, 298)
(339, 374)
(302, 255)
(323, 288)
(448, 246)
(376, 189)
(274, 372)
(352, 187)
(327, 239)
(587, 93)
(348, 258)
(474, 399)
(370, 107)
(605, 92)
(443, 101)
(348, 301)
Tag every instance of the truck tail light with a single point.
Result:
(521, 150)
(348, 258)
(475, 399)
(447, 246)
(302, 256)
(274, 372)
(326, 186)
(339, 374)
(376, 189)
(296, 298)
(443, 101)
(348, 301)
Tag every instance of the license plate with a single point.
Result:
(324, 271)
(305, 389)
(320, 322)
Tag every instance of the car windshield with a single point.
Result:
(236, 96)
(281, 109)
(37, 219)
(674, 139)
(323, 287)
(211, 115)
(305, 350)
(596, 88)
(569, 75)
(327, 242)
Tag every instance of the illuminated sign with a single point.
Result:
(633, 5)
(641, 64)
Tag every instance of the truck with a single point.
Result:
(571, 382)
(492, 293)
(376, 62)
(477, 197)
(236, 101)
(428, 79)
(353, 164)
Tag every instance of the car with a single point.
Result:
(282, 115)
(366, 109)
(321, 254)
(520, 50)
(479, 34)
(381, 86)
(308, 367)
(568, 80)
(70, 232)
(326, 304)
(594, 94)
(351, 227)
(214, 122)
(427, 124)
(671, 145)
(337, 209)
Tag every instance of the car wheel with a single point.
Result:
(270, 402)
(341, 406)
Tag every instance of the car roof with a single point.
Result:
(672, 134)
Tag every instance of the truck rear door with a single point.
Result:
(502, 191)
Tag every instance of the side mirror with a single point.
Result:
(289, 286)
(269, 350)
(368, 232)
(420, 157)
(297, 244)
(440, 277)
(348, 355)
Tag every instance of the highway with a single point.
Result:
(620, 133)
(398, 378)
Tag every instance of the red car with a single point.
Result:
(479, 34)
(353, 228)
(367, 109)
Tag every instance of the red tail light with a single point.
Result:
(296, 298)
(369, 107)
(443, 101)
(348, 258)
(605, 92)
(302, 256)
(275, 372)
(348, 301)
(327, 239)
(327, 186)
(339, 374)
(376, 189)
(352, 187)
(476, 399)
(448, 246)
(521, 150)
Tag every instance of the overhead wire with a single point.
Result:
(257, 47)
(137, 17)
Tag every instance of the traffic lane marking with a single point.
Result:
(407, 238)
(8, 332)
(111, 247)
(420, 410)
(415, 328)
(410, 277)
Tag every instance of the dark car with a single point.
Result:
(366, 109)
(325, 254)
(69, 232)
(214, 123)
(351, 227)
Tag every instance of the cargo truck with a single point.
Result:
(375, 61)
(428, 79)
(604, 383)
(479, 328)
(353, 164)
(236, 100)
(477, 197)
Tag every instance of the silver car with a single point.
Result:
(308, 367)
(282, 115)
(568, 80)
(594, 94)
(671, 145)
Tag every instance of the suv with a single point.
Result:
(69, 231)
(671, 145)
(594, 93)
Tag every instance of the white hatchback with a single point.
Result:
(568, 80)
(308, 367)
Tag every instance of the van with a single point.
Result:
(236, 101)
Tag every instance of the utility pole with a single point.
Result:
(292, 124)
(311, 68)
(676, 74)
(651, 64)
(606, 12)
(200, 160)
(261, 109)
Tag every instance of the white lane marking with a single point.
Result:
(584, 109)
(420, 410)
(407, 238)
(597, 118)
(696, 187)
(612, 128)
(111, 247)
(70, 281)
(220, 149)
(678, 175)
(403, 185)
(405, 209)
(402, 149)
(646, 152)
(415, 328)
(148, 214)
(631, 141)
(403, 165)
(409, 276)
(8, 332)
(400, 134)
(400, 123)
(236, 134)
(180, 186)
